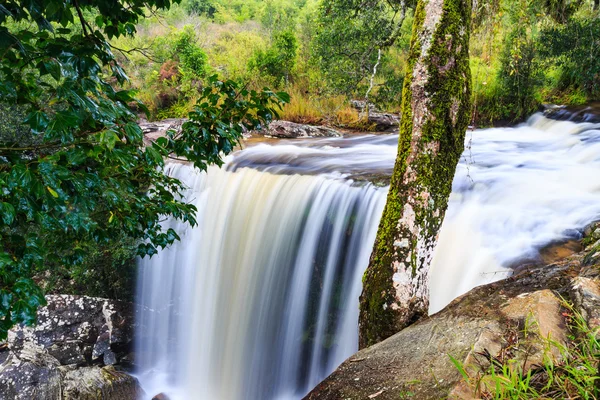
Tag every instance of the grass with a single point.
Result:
(573, 374)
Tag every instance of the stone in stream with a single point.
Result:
(292, 130)
(384, 122)
(161, 396)
(70, 353)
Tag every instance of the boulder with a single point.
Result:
(491, 322)
(361, 104)
(25, 380)
(94, 383)
(77, 330)
(154, 130)
(384, 121)
(70, 352)
(292, 130)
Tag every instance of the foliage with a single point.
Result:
(574, 48)
(561, 10)
(84, 176)
(349, 35)
(573, 375)
(278, 61)
(279, 15)
(193, 58)
(520, 71)
(107, 270)
(200, 7)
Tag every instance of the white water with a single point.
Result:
(260, 301)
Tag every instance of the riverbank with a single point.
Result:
(519, 326)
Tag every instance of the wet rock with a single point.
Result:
(560, 250)
(585, 113)
(292, 130)
(161, 396)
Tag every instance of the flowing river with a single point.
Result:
(260, 300)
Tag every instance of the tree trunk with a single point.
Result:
(436, 105)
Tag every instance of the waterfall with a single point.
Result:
(515, 191)
(260, 300)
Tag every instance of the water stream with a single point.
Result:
(260, 300)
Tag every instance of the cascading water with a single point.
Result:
(515, 191)
(260, 300)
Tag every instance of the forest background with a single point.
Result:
(326, 53)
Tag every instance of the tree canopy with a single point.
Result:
(74, 167)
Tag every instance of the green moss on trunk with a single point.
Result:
(436, 104)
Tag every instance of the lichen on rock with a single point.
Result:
(70, 352)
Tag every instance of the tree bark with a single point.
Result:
(436, 105)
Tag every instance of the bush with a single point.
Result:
(574, 49)
(194, 62)
(200, 7)
(278, 61)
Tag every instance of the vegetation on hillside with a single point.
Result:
(523, 53)
(567, 371)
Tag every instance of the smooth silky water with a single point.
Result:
(260, 300)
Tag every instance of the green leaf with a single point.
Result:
(133, 131)
(8, 213)
(109, 138)
(63, 120)
(52, 192)
(37, 120)
(458, 365)
(53, 68)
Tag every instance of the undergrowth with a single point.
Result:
(568, 371)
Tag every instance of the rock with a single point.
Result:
(291, 130)
(494, 321)
(584, 113)
(361, 104)
(161, 396)
(384, 121)
(585, 292)
(154, 130)
(94, 383)
(68, 352)
(77, 330)
(27, 381)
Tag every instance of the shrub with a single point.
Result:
(194, 62)
(573, 47)
(278, 61)
(169, 71)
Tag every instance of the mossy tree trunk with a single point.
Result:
(436, 105)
